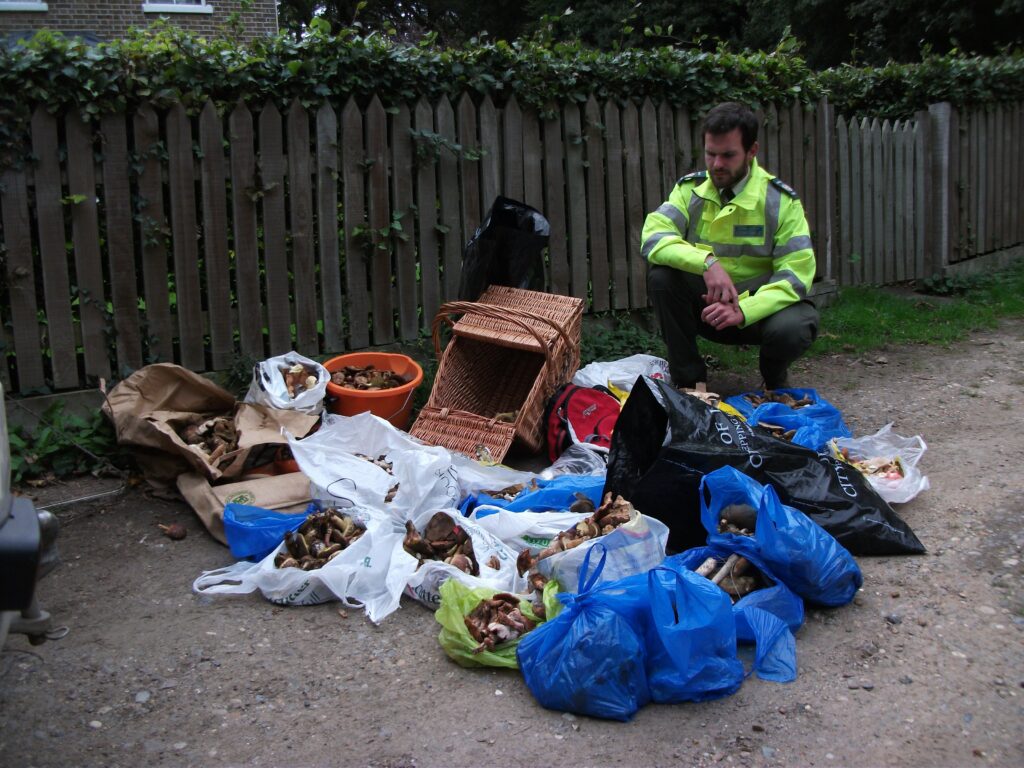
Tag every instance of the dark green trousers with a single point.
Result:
(676, 295)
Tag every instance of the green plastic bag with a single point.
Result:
(458, 600)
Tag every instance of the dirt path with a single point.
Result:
(925, 669)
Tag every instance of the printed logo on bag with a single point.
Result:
(733, 431)
(537, 541)
(839, 469)
(242, 497)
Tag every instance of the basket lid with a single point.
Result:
(550, 312)
(475, 436)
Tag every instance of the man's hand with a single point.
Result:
(719, 285)
(722, 314)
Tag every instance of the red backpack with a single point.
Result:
(576, 414)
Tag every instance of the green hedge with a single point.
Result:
(168, 64)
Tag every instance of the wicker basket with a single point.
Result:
(502, 364)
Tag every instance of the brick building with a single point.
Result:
(110, 19)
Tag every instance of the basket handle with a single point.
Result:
(495, 312)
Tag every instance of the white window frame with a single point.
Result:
(199, 7)
(23, 5)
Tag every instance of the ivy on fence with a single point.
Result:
(169, 64)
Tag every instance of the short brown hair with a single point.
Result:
(728, 116)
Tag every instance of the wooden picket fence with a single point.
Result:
(204, 239)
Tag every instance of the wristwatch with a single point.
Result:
(710, 261)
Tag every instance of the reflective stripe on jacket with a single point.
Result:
(761, 239)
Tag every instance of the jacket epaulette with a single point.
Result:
(695, 176)
(784, 187)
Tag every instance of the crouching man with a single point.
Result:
(730, 257)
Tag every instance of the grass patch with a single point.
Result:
(863, 319)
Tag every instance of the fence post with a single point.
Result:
(938, 206)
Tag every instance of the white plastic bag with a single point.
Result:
(525, 530)
(887, 444)
(621, 374)
(339, 476)
(268, 386)
(425, 582)
(633, 547)
(474, 477)
(578, 459)
(368, 574)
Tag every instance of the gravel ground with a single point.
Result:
(923, 669)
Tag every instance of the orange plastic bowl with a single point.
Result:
(393, 404)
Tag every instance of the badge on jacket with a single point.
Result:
(748, 230)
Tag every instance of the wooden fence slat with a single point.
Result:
(909, 212)
(963, 185)
(533, 161)
(634, 206)
(52, 252)
(21, 279)
(596, 210)
(667, 149)
(554, 187)
(215, 238)
(469, 169)
(922, 179)
(952, 201)
(300, 227)
(490, 162)
(858, 190)
(784, 159)
(512, 149)
(771, 142)
(992, 162)
(684, 144)
(825, 172)
(117, 206)
(796, 113)
(576, 190)
(878, 204)
(812, 181)
(1019, 170)
(426, 221)
(979, 152)
(617, 230)
(85, 234)
(899, 213)
(889, 195)
(275, 254)
(243, 220)
(1006, 186)
(354, 207)
(327, 227)
(183, 230)
(404, 243)
(844, 245)
(448, 179)
(379, 209)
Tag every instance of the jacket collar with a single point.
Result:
(757, 178)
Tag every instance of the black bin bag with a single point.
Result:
(659, 454)
(507, 249)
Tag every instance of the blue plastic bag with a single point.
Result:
(665, 635)
(254, 532)
(767, 617)
(590, 659)
(820, 412)
(556, 494)
(691, 639)
(799, 552)
(809, 433)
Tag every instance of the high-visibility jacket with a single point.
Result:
(761, 239)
